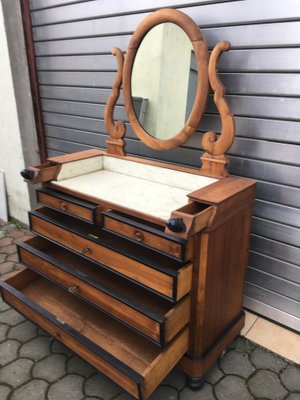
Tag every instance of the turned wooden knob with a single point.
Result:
(176, 225)
(85, 250)
(27, 174)
(63, 206)
(139, 236)
(73, 289)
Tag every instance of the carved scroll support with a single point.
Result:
(214, 160)
(115, 143)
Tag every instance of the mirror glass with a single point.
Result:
(164, 80)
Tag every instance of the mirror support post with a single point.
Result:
(115, 143)
(214, 161)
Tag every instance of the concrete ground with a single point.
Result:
(33, 366)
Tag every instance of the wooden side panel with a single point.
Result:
(219, 297)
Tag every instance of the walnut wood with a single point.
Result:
(145, 359)
(158, 281)
(220, 262)
(115, 143)
(195, 216)
(86, 213)
(198, 367)
(80, 155)
(194, 33)
(175, 317)
(150, 239)
(214, 161)
(43, 173)
(116, 376)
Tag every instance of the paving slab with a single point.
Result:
(50, 368)
(33, 390)
(266, 384)
(232, 387)
(36, 349)
(99, 385)
(16, 373)
(263, 359)
(68, 388)
(291, 378)
(8, 351)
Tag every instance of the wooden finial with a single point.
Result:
(115, 142)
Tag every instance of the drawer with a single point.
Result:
(164, 276)
(147, 235)
(84, 210)
(150, 315)
(136, 364)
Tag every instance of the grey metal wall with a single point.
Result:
(73, 40)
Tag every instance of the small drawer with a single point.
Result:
(150, 315)
(136, 364)
(84, 210)
(147, 235)
(167, 277)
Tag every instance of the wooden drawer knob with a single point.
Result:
(139, 236)
(73, 289)
(85, 251)
(63, 206)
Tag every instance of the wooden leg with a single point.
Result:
(195, 383)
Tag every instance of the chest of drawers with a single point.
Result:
(124, 291)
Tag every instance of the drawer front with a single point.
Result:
(139, 368)
(81, 209)
(172, 284)
(148, 236)
(88, 282)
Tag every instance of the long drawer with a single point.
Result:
(156, 272)
(84, 210)
(143, 311)
(147, 235)
(136, 365)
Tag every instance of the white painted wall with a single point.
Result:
(11, 155)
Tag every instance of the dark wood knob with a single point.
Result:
(27, 174)
(176, 225)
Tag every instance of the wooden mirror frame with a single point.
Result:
(201, 54)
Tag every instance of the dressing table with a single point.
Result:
(138, 265)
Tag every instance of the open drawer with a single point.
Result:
(135, 364)
(157, 319)
(82, 209)
(147, 235)
(167, 277)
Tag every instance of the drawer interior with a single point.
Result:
(103, 279)
(127, 351)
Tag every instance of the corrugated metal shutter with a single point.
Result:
(73, 40)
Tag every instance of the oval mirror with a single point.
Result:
(165, 79)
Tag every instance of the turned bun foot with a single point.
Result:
(194, 383)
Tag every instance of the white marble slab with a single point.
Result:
(156, 191)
